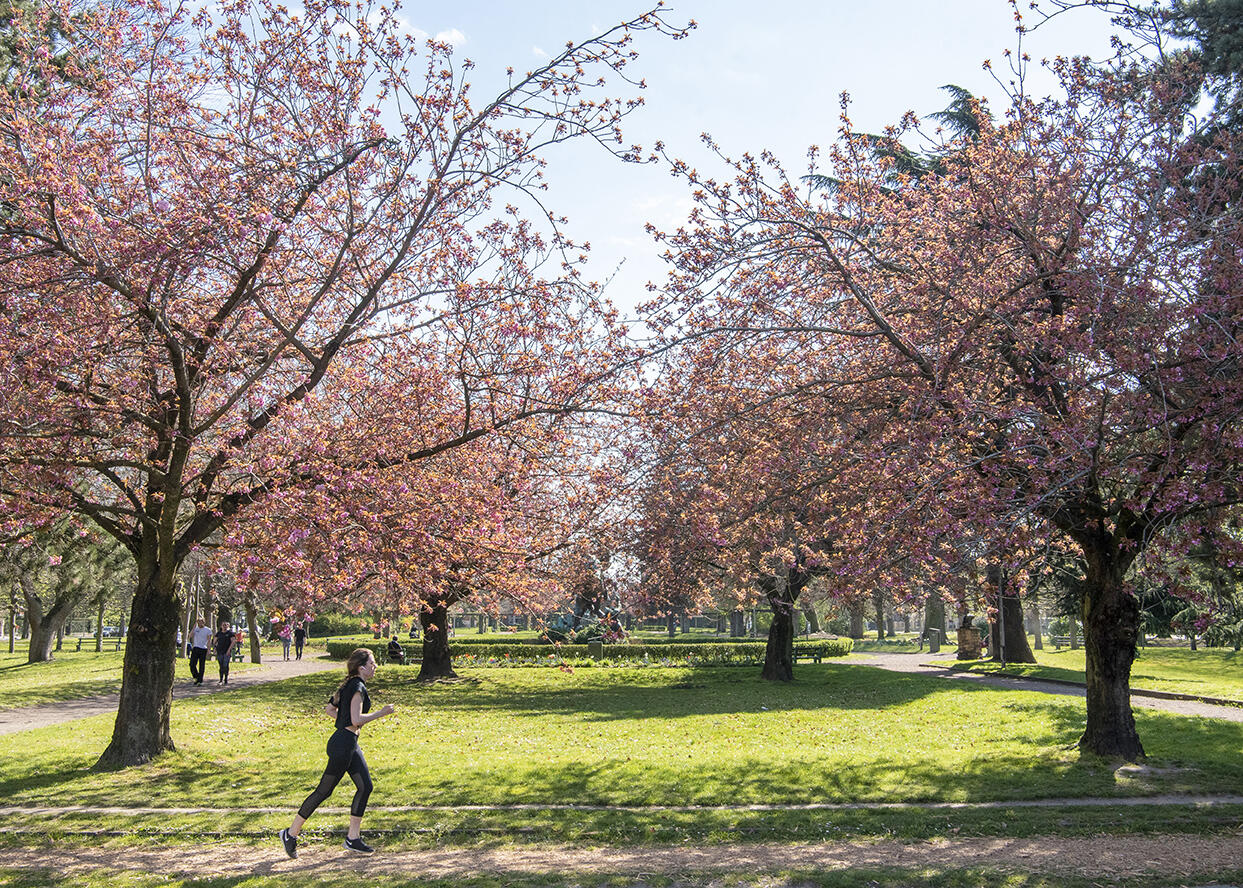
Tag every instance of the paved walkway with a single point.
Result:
(939, 665)
(26, 718)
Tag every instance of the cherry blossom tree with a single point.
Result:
(211, 217)
(746, 477)
(481, 523)
(1050, 327)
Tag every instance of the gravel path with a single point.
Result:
(26, 718)
(938, 665)
(1102, 856)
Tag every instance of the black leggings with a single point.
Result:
(222, 660)
(344, 756)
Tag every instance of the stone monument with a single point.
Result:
(968, 640)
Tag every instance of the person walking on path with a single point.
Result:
(349, 706)
(299, 639)
(286, 635)
(200, 638)
(225, 640)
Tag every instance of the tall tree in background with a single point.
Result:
(1053, 324)
(58, 568)
(246, 203)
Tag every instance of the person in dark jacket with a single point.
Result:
(396, 654)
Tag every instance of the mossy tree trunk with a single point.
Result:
(141, 731)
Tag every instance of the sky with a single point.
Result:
(755, 75)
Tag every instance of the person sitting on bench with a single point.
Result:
(395, 652)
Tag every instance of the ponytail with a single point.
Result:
(356, 661)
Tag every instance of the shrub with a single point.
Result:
(337, 624)
(748, 653)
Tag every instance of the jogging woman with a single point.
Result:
(349, 705)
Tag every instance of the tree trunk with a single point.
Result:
(813, 620)
(1110, 628)
(44, 626)
(12, 625)
(436, 660)
(671, 624)
(779, 654)
(1037, 633)
(1008, 641)
(99, 625)
(934, 615)
(252, 626)
(187, 615)
(1074, 634)
(878, 601)
(856, 619)
(141, 731)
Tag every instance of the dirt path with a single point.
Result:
(26, 718)
(930, 664)
(1105, 856)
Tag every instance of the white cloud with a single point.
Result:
(410, 30)
(453, 37)
(538, 52)
(345, 29)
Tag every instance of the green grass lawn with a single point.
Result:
(904, 643)
(1208, 672)
(634, 737)
(71, 675)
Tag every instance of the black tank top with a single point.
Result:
(351, 687)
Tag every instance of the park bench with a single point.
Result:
(411, 658)
(813, 652)
(106, 642)
(1060, 640)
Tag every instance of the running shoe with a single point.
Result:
(290, 843)
(358, 845)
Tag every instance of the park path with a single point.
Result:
(939, 666)
(1108, 857)
(45, 714)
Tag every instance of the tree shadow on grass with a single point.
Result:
(1030, 755)
(61, 692)
(690, 691)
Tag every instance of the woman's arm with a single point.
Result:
(357, 719)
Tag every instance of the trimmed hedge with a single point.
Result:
(749, 653)
(469, 637)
